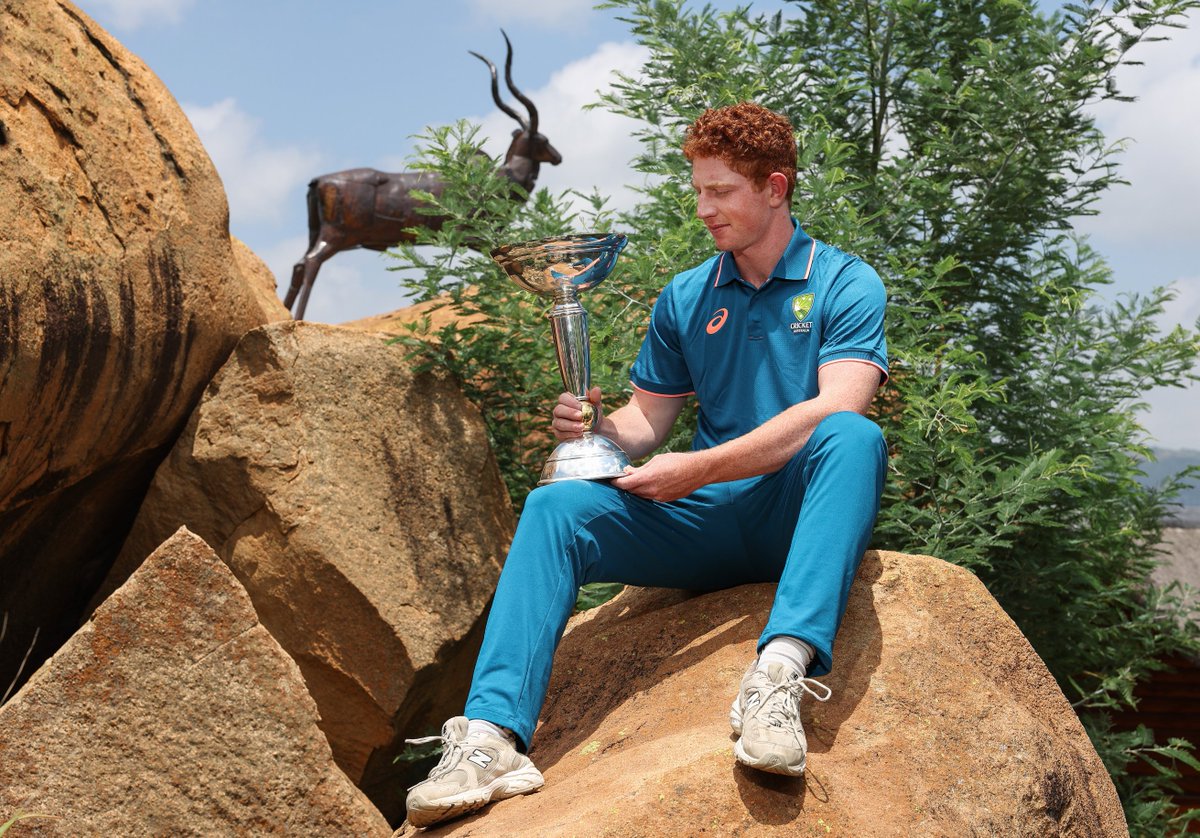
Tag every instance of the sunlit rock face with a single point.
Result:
(119, 298)
(943, 721)
(361, 506)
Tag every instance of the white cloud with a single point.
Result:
(1184, 310)
(1160, 162)
(596, 146)
(549, 13)
(1156, 212)
(1171, 420)
(258, 178)
(131, 14)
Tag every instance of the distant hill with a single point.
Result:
(1172, 461)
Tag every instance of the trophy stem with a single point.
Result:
(568, 323)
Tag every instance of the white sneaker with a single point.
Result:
(766, 717)
(472, 773)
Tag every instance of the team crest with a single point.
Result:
(801, 306)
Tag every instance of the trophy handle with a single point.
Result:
(568, 322)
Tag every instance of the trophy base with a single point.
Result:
(591, 457)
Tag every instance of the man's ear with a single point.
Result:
(777, 183)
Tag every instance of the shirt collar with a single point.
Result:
(795, 264)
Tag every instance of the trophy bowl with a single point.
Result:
(560, 267)
(544, 266)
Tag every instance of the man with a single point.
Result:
(780, 338)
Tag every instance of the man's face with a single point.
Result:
(736, 213)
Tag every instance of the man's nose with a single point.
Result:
(704, 209)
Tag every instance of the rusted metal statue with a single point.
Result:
(372, 209)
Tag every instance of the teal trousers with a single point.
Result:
(805, 526)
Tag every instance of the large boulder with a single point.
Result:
(119, 298)
(174, 712)
(943, 721)
(363, 510)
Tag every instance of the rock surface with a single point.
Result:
(943, 721)
(362, 508)
(261, 282)
(174, 712)
(119, 298)
(438, 312)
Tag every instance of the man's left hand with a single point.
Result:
(666, 477)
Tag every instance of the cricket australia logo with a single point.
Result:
(801, 307)
(480, 758)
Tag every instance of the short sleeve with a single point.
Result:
(660, 367)
(852, 327)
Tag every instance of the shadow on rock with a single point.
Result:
(769, 798)
(856, 657)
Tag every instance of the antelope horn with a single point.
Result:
(529, 106)
(496, 92)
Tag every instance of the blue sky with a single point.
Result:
(280, 92)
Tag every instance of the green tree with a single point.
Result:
(948, 143)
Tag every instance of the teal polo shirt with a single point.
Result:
(750, 353)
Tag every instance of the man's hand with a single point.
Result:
(666, 477)
(568, 422)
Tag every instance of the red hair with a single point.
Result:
(748, 138)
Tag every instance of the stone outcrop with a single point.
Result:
(363, 510)
(174, 712)
(943, 721)
(119, 298)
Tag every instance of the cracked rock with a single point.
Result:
(174, 712)
(362, 508)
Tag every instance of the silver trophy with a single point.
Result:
(560, 268)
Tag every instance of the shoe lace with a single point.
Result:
(785, 712)
(452, 748)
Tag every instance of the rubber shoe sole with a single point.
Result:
(771, 763)
(422, 813)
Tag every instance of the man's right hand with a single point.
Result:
(568, 422)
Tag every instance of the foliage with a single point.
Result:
(1147, 798)
(505, 360)
(24, 660)
(948, 143)
(20, 816)
(597, 593)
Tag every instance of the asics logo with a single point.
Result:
(718, 320)
(480, 758)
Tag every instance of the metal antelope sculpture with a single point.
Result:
(373, 209)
